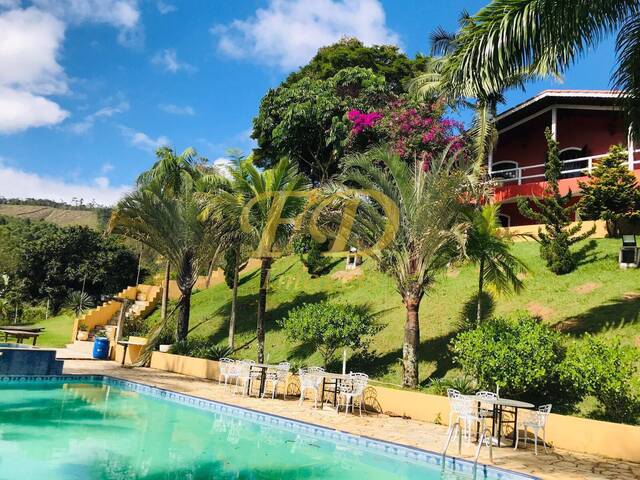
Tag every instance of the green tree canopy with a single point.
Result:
(330, 326)
(307, 120)
(611, 192)
(385, 60)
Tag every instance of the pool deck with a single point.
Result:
(555, 465)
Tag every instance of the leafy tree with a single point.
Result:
(55, 261)
(429, 224)
(385, 60)
(253, 201)
(314, 260)
(607, 370)
(611, 192)
(307, 120)
(519, 353)
(555, 211)
(490, 248)
(329, 327)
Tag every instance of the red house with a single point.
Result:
(584, 122)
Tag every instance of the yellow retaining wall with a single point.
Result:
(601, 230)
(568, 433)
(133, 351)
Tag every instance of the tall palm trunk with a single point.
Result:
(165, 291)
(262, 304)
(480, 288)
(209, 275)
(185, 281)
(183, 315)
(411, 342)
(234, 299)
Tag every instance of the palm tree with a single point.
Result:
(435, 82)
(543, 37)
(172, 172)
(489, 247)
(250, 204)
(168, 222)
(430, 229)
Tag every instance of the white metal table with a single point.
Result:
(499, 405)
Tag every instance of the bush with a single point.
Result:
(316, 263)
(518, 353)
(200, 347)
(330, 326)
(608, 371)
(33, 314)
(464, 384)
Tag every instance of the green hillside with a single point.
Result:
(598, 297)
(59, 216)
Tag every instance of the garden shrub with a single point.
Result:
(519, 353)
(608, 371)
(200, 347)
(330, 326)
(33, 314)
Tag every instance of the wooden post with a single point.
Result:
(630, 148)
(121, 317)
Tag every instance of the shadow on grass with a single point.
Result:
(469, 313)
(247, 308)
(614, 314)
(587, 254)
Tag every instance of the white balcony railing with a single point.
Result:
(574, 167)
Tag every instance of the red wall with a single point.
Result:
(595, 129)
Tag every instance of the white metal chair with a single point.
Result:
(352, 390)
(486, 412)
(310, 379)
(245, 376)
(536, 420)
(228, 370)
(455, 406)
(276, 377)
(470, 414)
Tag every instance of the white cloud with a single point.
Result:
(168, 60)
(15, 183)
(287, 33)
(20, 110)
(222, 166)
(143, 141)
(106, 112)
(177, 109)
(165, 8)
(122, 14)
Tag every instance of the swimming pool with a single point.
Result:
(95, 427)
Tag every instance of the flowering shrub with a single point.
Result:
(416, 132)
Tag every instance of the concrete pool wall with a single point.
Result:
(26, 360)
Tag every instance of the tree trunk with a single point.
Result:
(234, 300)
(165, 292)
(411, 343)
(480, 288)
(209, 274)
(262, 305)
(183, 315)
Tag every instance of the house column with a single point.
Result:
(554, 123)
(630, 147)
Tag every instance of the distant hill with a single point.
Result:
(60, 216)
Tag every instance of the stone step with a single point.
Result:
(76, 350)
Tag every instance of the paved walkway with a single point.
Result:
(556, 465)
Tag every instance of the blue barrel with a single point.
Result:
(101, 348)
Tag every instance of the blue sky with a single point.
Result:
(89, 88)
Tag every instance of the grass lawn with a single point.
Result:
(598, 297)
(57, 330)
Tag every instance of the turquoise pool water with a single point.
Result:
(105, 429)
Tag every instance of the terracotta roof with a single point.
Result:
(547, 98)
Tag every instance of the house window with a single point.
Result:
(505, 169)
(573, 161)
(505, 220)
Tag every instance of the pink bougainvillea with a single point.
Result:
(416, 132)
(362, 121)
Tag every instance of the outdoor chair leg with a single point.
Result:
(517, 436)
(544, 439)
(535, 441)
(526, 436)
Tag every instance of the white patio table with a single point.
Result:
(500, 405)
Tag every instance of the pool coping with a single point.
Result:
(389, 448)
